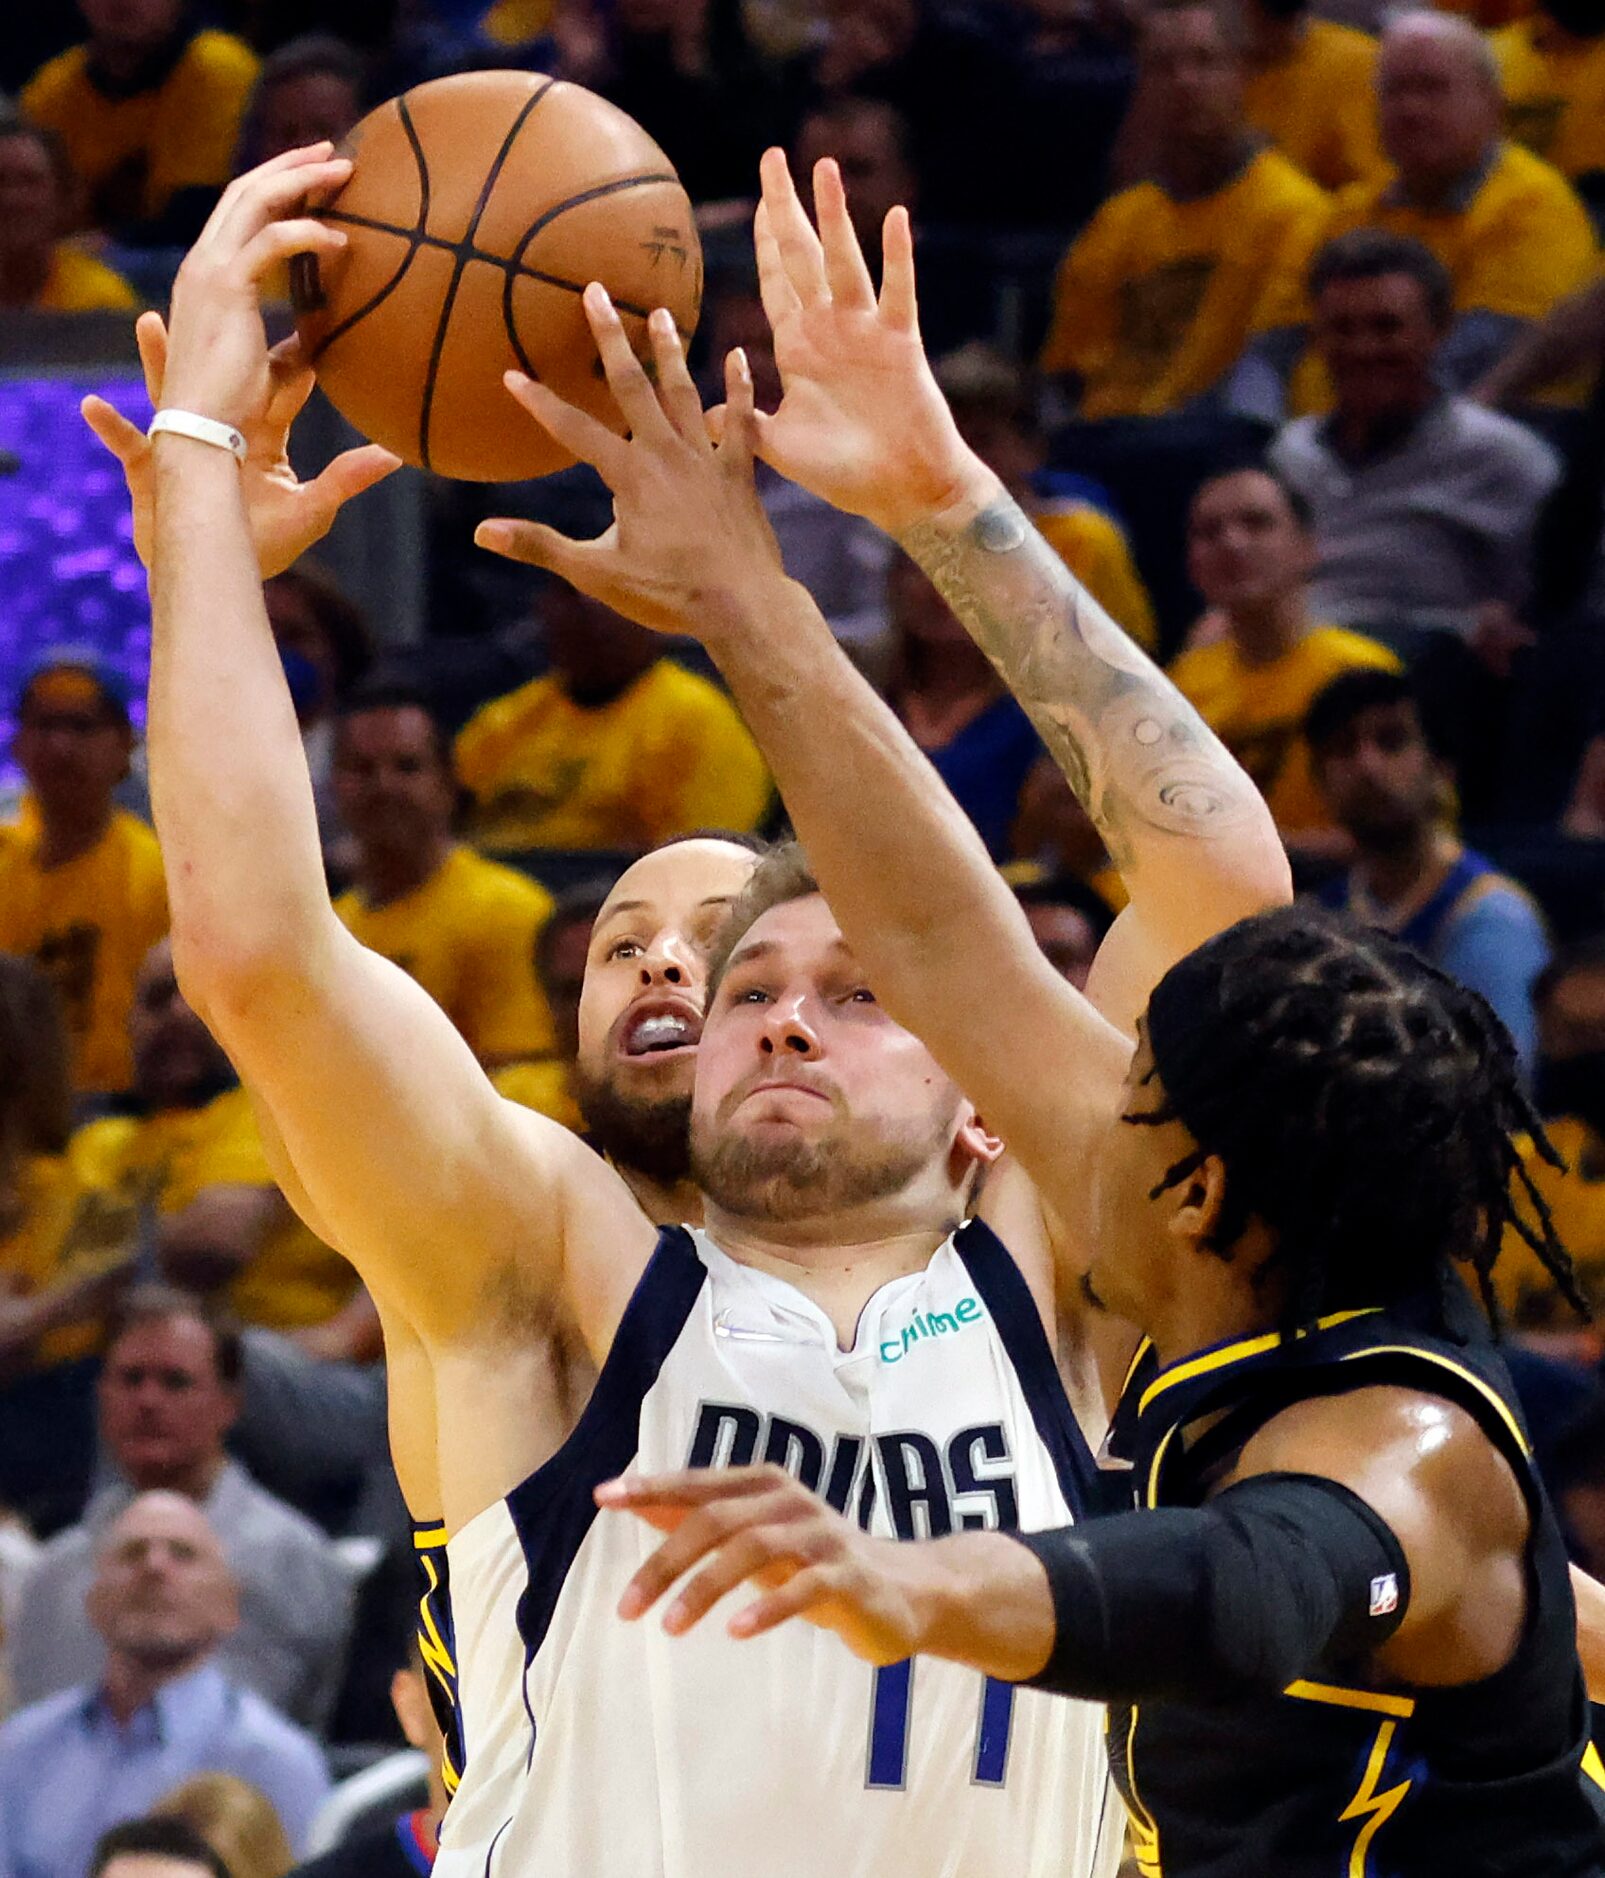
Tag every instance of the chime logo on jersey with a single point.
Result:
(930, 1489)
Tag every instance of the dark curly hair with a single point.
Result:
(1366, 1108)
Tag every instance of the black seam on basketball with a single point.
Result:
(414, 236)
(516, 265)
(491, 178)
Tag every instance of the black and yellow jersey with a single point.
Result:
(437, 1645)
(1346, 1774)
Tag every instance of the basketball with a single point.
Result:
(478, 209)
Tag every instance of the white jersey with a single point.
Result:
(597, 1748)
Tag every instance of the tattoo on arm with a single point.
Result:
(1138, 756)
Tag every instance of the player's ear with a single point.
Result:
(1201, 1198)
(977, 1141)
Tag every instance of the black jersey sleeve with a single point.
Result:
(1251, 1591)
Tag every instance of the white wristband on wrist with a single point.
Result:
(201, 430)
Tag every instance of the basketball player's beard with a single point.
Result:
(791, 1179)
(650, 1136)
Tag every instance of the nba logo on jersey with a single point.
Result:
(1384, 1595)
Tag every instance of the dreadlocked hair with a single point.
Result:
(1366, 1108)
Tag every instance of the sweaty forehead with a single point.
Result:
(673, 882)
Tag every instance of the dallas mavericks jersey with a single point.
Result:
(597, 1748)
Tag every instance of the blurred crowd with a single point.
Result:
(1284, 319)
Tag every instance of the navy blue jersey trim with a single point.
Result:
(553, 1509)
(1008, 1299)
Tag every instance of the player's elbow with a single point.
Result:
(228, 976)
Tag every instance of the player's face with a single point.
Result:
(640, 1015)
(1245, 546)
(809, 1099)
(390, 780)
(1137, 1260)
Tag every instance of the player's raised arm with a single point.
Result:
(400, 1144)
(863, 425)
(940, 937)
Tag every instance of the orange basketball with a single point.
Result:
(478, 209)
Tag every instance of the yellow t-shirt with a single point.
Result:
(66, 1233)
(1258, 711)
(515, 22)
(1576, 1198)
(669, 754)
(1318, 106)
(184, 128)
(468, 936)
(1157, 299)
(78, 283)
(543, 1085)
(166, 1160)
(1093, 546)
(1523, 242)
(89, 924)
(1554, 90)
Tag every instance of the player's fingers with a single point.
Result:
(704, 1531)
(150, 335)
(898, 305)
(536, 545)
(690, 1486)
(737, 432)
(276, 188)
(800, 251)
(676, 393)
(577, 431)
(811, 1586)
(769, 1553)
(775, 290)
(626, 375)
(348, 475)
(126, 441)
(845, 268)
(279, 240)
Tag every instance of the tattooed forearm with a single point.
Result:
(1138, 756)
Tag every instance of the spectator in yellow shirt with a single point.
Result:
(308, 91)
(464, 927)
(81, 887)
(180, 1174)
(1552, 72)
(991, 403)
(149, 108)
(1310, 91)
(616, 746)
(1250, 551)
(1512, 232)
(40, 271)
(1160, 295)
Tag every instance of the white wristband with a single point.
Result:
(201, 429)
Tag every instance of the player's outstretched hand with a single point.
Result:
(287, 516)
(690, 546)
(741, 1524)
(861, 422)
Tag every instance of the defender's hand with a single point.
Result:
(861, 423)
(286, 515)
(741, 1523)
(690, 549)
